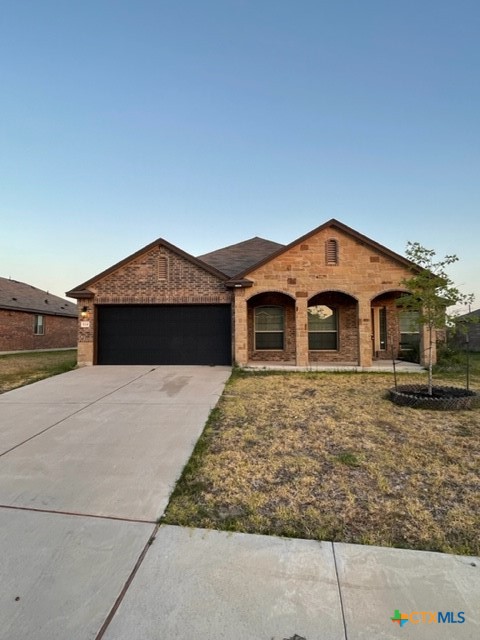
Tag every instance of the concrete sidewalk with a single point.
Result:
(197, 584)
(60, 574)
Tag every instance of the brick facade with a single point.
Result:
(347, 351)
(288, 353)
(157, 276)
(17, 331)
(388, 302)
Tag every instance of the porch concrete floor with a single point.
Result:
(382, 366)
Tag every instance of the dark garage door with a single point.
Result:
(164, 334)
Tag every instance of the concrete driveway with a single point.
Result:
(103, 441)
(87, 462)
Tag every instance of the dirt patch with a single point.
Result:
(328, 456)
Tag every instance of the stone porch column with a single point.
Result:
(85, 354)
(86, 333)
(301, 332)
(240, 331)
(365, 330)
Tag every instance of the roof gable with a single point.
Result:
(82, 290)
(332, 224)
(20, 296)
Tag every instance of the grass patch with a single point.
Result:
(453, 367)
(329, 457)
(17, 370)
(350, 459)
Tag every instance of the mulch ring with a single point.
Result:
(441, 398)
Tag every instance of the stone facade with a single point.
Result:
(363, 276)
(17, 331)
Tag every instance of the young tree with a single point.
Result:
(431, 291)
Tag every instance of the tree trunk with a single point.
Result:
(430, 363)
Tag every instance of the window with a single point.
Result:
(409, 330)
(331, 251)
(39, 326)
(269, 327)
(162, 267)
(322, 328)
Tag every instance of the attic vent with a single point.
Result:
(331, 251)
(162, 267)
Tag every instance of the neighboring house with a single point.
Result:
(328, 297)
(471, 328)
(33, 319)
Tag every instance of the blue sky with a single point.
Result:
(207, 123)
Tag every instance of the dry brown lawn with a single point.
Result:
(328, 456)
(19, 369)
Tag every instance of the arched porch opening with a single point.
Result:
(395, 332)
(271, 327)
(333, 328)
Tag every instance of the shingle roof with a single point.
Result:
(239, 257)
(470, 314)
(20, 296)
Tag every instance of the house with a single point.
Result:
(469, 326)
(329, 297)
(33, 319)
